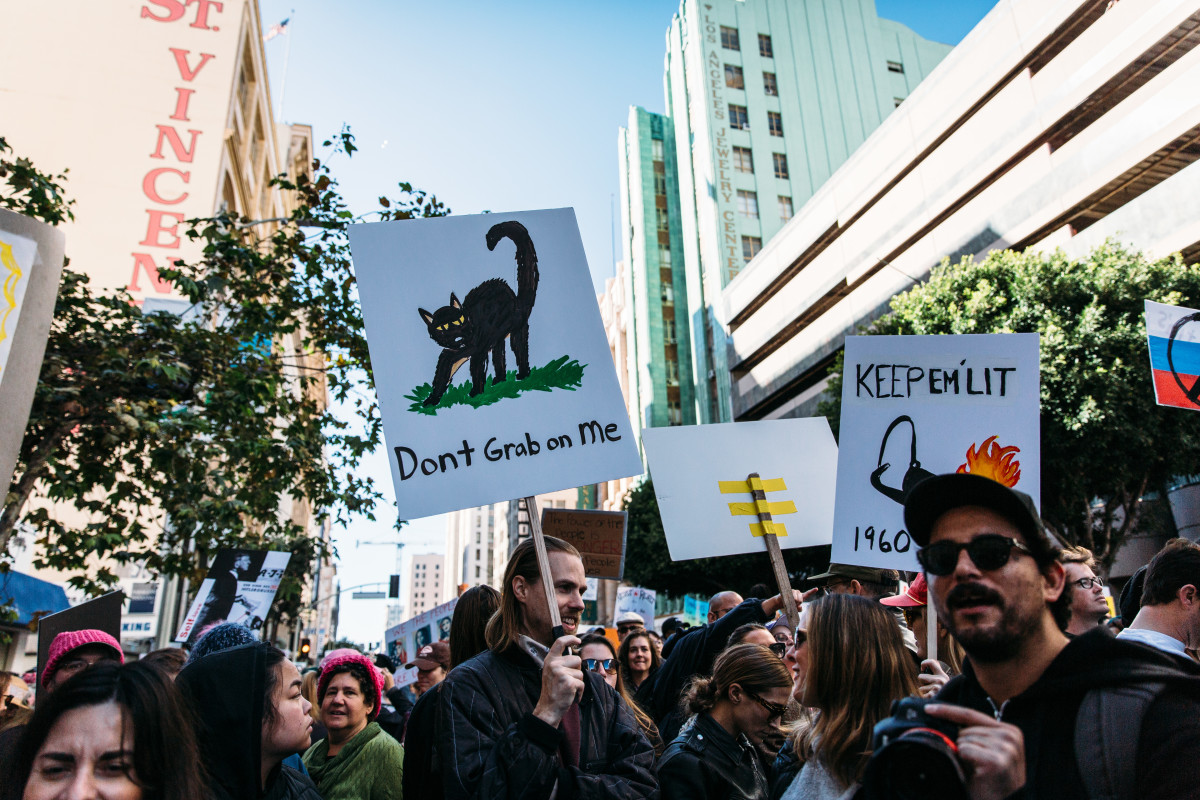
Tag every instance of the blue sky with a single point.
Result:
(490, 106)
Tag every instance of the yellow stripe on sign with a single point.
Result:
(742, 487)
(749, 509)
(757, 529)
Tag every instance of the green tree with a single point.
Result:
(648, 562)
(176, 435)
(1106, 445)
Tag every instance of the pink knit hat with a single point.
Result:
(68, 641)
(352, 657)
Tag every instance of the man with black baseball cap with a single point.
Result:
(1042, 716)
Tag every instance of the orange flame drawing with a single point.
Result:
(993, 461)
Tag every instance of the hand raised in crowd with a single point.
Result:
(772, 605)
(993, 751)
(388, 680)
(562, 681)
(933, 681)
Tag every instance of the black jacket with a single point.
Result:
(226, 690)
(693, 654)
(706, 761)
(422, 774)
(1168, 743)
(490, 745)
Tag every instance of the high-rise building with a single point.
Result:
(764, 101)
(470, 541)
(427, 584)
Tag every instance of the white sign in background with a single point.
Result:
(688, 465)
(919, 405)
(538, 441)
(405, 640)
(16, 261)
(635, 599)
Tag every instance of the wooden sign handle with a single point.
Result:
(931, 644)
(539, 545)
(781, 576)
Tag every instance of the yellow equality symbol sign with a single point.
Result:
(763, 509)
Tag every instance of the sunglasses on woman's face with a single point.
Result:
(779, 648)
(598, 664)
(990, 551)
(774, 709)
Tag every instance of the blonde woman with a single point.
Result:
(851, 664)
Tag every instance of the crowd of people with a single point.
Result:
(1035, 691)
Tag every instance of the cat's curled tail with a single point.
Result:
(527, 268)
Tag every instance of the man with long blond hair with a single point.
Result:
(522, 718)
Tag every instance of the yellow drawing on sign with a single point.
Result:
(12, 276)
(757, 507)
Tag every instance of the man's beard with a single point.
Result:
(994, 643)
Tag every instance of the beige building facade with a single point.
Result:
(159, 111)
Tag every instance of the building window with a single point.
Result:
(476, 571)
(743, 159)
(672, 372)
(738, 117)
(781, 169)
(748, 203)
(750, 247)
(764, 46)
(733, 77)
(785, 208)
(669, 331)
(478, 539)
(661, 213)
(664, 257)
(656, 149)
(674, 415)
(775, 123)
(896, 101)
(729, 38)
(660, 183)
(668, 294)
(769, 85)
(895, 66)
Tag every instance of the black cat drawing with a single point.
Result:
(490, 313)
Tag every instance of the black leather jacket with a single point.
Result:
(490, 745)
(705, 761)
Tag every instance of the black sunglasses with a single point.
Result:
(775, 709)
(989, 552)
(779, 648)
(598, 664)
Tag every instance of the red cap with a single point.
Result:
(916, 596)
(68, 641)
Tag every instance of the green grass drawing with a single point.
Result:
(561, 373)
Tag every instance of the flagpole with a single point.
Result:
(287, 54)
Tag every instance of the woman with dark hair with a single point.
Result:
(639, 660)
(357, 761)
(600, 656)
(471, 615)
(715, 757)
(851, 664)
(122, 732)
(251, 717)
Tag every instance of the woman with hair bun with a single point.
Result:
(715, 758)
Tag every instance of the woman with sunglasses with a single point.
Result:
(851, 664)
(715, 757)
(599, 656)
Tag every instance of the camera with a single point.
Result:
(915, 756)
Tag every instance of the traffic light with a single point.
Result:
(305, 648)
(394, 587)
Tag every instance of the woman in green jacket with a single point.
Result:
(358, 761)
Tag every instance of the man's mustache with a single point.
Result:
(972, 594)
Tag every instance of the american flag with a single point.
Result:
(276, 30)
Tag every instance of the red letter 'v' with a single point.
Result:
(181, 61)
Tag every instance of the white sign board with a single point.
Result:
(240, 587)
(635, 599)
(405, 640)
(700, 474)
(914, 406)
(494, 374)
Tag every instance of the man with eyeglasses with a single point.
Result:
(1085, 591)
(1169, 618)
(1028, 690)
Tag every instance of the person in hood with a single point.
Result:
(358, 760)
(250, 717)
